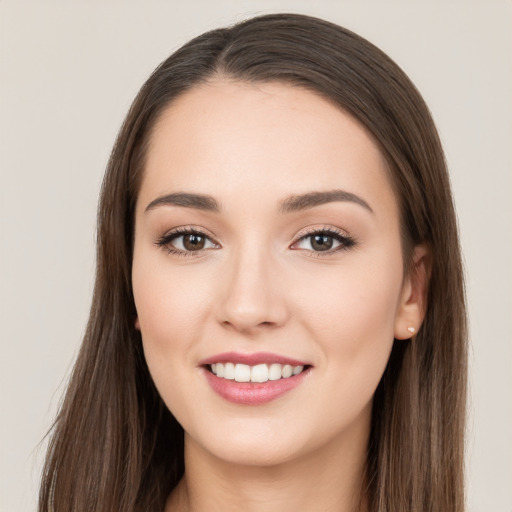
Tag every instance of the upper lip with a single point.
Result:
(251, 359)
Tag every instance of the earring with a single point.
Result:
(412, 330)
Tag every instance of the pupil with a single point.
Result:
(322, 242)
(193, 242)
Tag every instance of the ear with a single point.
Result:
(413, 300)
(137, 323)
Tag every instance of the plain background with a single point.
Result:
(68, 72)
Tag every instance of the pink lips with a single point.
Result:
(251, 359)
(252, 393)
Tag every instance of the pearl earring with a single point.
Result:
(412, 330)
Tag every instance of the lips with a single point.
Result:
(251, 359)
(253, 379)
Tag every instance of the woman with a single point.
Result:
(278, 318)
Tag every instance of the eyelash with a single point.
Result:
(165, 241)
(346, 242)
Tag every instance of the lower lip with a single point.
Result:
(253, 393)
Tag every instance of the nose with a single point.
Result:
(253, 296)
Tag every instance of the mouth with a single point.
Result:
(253, 379)
(258, 373)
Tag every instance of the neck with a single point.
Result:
(328, 479)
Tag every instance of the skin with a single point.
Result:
(259, 285)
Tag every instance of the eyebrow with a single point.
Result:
(186, 200)
(301, 202)
(293, 203)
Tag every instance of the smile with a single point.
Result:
(258, 373)
(253, 379)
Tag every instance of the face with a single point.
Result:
(267, 243)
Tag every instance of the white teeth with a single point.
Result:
(257, 373)
(287, 371)
(297, 369)
(229, 371)
(242, 372)
(274, 372)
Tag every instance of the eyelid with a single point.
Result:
(346, 241)
(165, 240)
(321, 228)
(313, 230)
(183, 230)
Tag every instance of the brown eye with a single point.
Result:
(184, 242)
(322, 242)
(194, 242)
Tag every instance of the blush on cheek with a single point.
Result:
(160, 301)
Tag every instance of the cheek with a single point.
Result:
(352, 320)
(171, 302)
(172, 312)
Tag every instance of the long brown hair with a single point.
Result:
(115, 446)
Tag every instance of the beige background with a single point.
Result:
(68, 71)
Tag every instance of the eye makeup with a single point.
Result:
(323, 241)
(193, 242)
(186, 241)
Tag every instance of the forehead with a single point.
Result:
(228, 136)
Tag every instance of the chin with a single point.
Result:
(252, 451)
(269, 442)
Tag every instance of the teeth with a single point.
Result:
(242, 372)
(275, 371)
(229, 371)
(258, 373)
(297, 369)
(287, 371)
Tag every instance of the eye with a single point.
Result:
(325, 240)
(183, 241)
